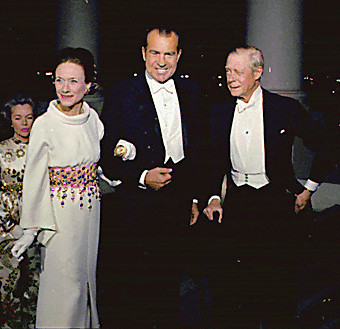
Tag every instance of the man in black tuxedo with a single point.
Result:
(252, 139)
(150, 144)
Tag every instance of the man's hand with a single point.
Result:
(194, 213)
(158, 177)
(214, 205)
(301, 200)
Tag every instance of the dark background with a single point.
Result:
(207, 29)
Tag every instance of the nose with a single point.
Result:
(230, 76)
(161, 60)
(24, 122)
(65, 86)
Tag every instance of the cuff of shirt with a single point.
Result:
(142, 180)
(311, 186)
(214, 197)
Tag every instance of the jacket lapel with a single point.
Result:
(147, 107)
(273, 125)
(184, 97)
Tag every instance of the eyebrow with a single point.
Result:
(167, 52)
(235, 69)
(58, 76)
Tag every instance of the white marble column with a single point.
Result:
(275, 27)
(77, 25)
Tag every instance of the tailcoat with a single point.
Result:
(149, 227)
(259, 236)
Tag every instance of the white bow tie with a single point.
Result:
(242, 106)
(169, 86)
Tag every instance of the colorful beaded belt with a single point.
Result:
(69, 180)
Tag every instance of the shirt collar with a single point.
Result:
(156, 86)
(254, 99)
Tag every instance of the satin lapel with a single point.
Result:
(147, 107)
(267, 118)
(184, 105)
(230, 119)
(272, 125)
(226, 129)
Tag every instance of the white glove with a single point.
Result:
(21, 245)
(113, 183)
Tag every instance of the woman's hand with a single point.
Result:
(21, 245)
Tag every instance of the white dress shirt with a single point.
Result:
(166, 102)
(247, 151)
(169, 115)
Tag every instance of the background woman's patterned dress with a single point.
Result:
(18, 281)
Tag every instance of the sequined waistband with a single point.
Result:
(74, 177)
(66, 181)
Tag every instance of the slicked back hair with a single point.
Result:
(255, 56)
(163, 31)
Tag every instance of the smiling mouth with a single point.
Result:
(66, 96)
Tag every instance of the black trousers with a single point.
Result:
(253, 271)
(140, 261)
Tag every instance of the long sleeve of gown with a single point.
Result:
(12, 167)
(6, 203)
(37, 211)
(5, 223)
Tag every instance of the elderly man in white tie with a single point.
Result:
(252, 139)
(151, 145)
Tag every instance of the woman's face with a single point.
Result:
(22, 119)
(70, 87)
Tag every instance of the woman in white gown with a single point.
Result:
(61, 197)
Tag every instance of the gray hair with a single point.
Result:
(254, 54)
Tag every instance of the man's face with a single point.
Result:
(241, 80)
(161, 55)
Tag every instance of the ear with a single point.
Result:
(144, 54)
(88, 86)
(258, 73)
(179, 54)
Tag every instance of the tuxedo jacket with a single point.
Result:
(129, 114)
(284, 118)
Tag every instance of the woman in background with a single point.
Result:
(18, 281)
(61, 201)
